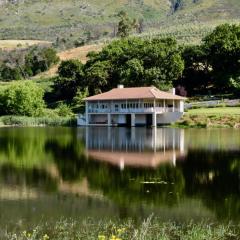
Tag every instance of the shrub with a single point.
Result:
(8, 73)
(22, 98)
(63, 110)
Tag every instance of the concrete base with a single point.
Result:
(151, 119)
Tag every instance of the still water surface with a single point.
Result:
(176, 174)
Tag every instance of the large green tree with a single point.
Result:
(196, 76)
(135, 62)
(70, 79)
(223, 54)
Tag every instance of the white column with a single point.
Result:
(154, 119)
(133, 120)
(173, 106)
(174, 158)
(181, 106)
(154, 139)
(86, 113)
(164, 106)
(182, 141)
(109, 119)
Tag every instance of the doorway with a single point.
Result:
(149, 119)
(128, 120)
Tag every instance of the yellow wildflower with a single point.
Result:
(101, 237)
(45, 237)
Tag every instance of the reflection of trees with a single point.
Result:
(37, 178)
(69, 158)
(215, 178)
(157, 187)
(163, 186)
(22, 148)
(212, 176)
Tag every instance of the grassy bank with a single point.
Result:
(227, 117)
(109, 230)
(37, 121)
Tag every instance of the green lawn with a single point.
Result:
(215, 111)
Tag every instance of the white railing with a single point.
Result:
(135, 110)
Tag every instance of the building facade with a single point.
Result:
(132, 107)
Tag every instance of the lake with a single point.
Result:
(176, 174)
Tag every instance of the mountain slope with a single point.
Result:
(94, 19)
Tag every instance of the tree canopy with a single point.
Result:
(223, 53)
(213, 65)
(22, 98)
(135, 62)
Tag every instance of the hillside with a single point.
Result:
(79, 53)
(73, 20)
(13, 44)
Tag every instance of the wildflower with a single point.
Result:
(24, 233)
(101, 237)
(121, 230)
(45, 237)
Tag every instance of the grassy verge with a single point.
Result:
(226, 117)
(39, 121)
(109, 230)
(216, 110)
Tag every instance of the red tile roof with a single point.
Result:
(134, 93)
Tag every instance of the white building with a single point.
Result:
(132, 107)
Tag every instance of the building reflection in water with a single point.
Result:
(135, 147)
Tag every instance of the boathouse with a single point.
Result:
(132, 107)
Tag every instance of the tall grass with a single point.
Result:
(150, 229)
(37, 121)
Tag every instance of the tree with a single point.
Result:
(125, 25)
(39, 60)
(71, 78)
(23, 98)
(97, 76)
(70, 69)
(135, 62)
(196, 76)
(223, 54)
(132, 69)
(78, 101)
(8, 73)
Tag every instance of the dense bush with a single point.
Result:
(22, 98)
